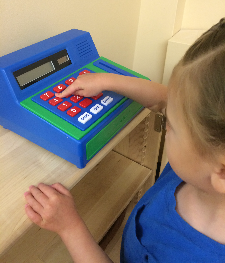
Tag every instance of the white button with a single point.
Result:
(85, 117)
(96, 109)
(107, 100)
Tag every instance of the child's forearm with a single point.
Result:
(148, 93)
(82, 246)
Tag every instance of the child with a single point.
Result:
(182, 217)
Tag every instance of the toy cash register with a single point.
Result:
(74, 128)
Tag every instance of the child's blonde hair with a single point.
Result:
(198, 82)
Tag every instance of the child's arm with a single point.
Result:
(52, 208)
(148, 93)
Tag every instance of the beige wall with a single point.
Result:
(133, 33)
(112, 24)
(202, 14)
(159, 20)
(197, 17)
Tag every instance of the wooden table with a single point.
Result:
(23, 163)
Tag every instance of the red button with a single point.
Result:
(55, 101)
(70, 81)
(47, 95)
(59, 88)
(64, 106)
(84, 72)
(73, 111)
(97, 96)
(76, 98)
(85, 103)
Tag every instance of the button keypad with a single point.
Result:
(80, 111)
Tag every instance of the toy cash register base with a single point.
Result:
(74, 128)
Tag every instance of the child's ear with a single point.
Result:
(218, 179)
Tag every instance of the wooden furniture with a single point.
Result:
(112, 182)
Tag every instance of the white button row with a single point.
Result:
(85, 117)
(107, 100)
(96, 109)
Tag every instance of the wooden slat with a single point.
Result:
(142, 144)
(109, 188)
(111, 243)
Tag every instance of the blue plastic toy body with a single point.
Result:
(28, 75)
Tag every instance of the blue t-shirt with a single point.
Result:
(155, 232)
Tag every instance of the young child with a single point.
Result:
(182, 217)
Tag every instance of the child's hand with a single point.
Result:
(51, 207)
(87, 85)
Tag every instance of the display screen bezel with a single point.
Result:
(56, 62)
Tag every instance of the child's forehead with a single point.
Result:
(181, 86)
(174, 84)
(179, 103)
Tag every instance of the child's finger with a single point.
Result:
(47, 190)
(68, 91)
(36, 206)
(38, 195)
(61, 189)
(35, 217)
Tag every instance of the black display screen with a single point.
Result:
(42, 69)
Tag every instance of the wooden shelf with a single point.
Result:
(23, 163)
(101, 196)
(111, 243)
